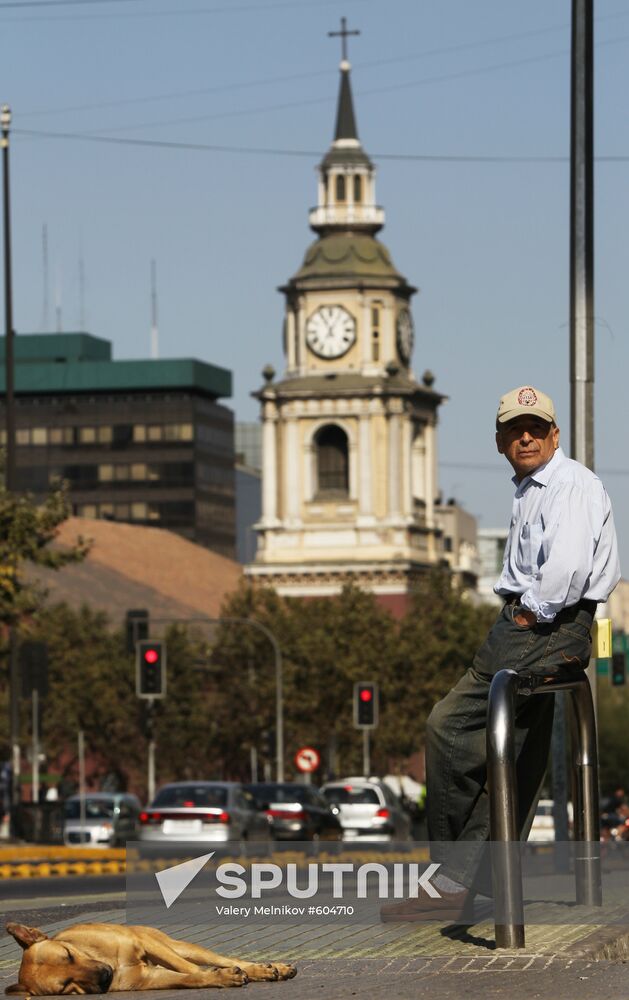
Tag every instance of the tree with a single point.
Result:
(327, 645)
(27, 530)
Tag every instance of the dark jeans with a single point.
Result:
(457, 805)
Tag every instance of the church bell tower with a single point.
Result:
(349, 479)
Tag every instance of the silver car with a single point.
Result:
(203, 811)
(368, 810)
(106, 820)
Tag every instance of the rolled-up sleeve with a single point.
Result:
(571, 531)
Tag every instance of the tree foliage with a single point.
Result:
(221, 696)
(327, 645)
(26, 532)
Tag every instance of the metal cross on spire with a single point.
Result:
(343, 34)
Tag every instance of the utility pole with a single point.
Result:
(9, 472)
(9, 367)
(581, 321)
(582, 235)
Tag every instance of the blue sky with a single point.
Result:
(438, 82)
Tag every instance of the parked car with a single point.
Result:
(212, 811)
(543, 828)
(297, 812)
(110, 820)
(368, 810)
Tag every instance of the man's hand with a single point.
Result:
(525, 617)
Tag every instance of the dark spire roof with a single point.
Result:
(345, 119)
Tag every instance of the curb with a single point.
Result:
(47, 869)
(58, 852)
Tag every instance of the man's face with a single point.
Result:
(527, 443)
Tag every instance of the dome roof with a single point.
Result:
(351, 254)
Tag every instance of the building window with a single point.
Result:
(139, 432)
(61, 435)
(105, 473)
(39, 435)
(358, 189)
(105, 435)
(87, 435)
(139, 511)
(154, 432)
(138, 471)
(87, 510)
(375, 333)
(340, 187)
(332, 453)
(22, 436)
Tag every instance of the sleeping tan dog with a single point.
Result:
(95, 958)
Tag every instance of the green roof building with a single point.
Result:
(143, 441)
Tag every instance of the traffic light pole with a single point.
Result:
(151, 749)
(366, 754)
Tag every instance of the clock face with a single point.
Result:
(330, 331)
(405, 334)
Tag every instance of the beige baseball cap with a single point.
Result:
(526, 401)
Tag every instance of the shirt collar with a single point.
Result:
(541, 475)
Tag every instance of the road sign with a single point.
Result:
(307, 760)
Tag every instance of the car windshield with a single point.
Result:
(189, 796)
(94, 809)
(278, 793)
(351, 795)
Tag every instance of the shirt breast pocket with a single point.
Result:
(531, 538)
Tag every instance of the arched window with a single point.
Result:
(358, 189)
(340, 187)
(332, 453)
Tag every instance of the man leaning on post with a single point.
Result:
(560, 561)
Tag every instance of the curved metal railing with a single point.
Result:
(506, 686)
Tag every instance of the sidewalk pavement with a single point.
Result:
(401, 961)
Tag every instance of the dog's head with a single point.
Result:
(50, 967)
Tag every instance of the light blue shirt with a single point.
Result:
(562, 541)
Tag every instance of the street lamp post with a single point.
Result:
(9, 471)
(5, 123)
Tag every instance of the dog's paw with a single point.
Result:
(261, 972)
(232, 976)
(285, 971)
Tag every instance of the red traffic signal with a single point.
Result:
(365, 705)
(150, 666)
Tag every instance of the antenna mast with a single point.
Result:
(82, 324)
(58, 315)
(46, 280)
(154, 329)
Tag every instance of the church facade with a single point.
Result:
(349, 474)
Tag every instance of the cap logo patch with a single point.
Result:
(527, 397)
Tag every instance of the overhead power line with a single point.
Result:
(20, 4)
(229, 9)
(310, 153)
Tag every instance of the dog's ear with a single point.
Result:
(16, 988)
(26, 936)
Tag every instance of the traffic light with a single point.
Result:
(150, 665)
(619, 669)
(365, 705)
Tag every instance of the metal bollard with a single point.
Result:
(503, 798)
